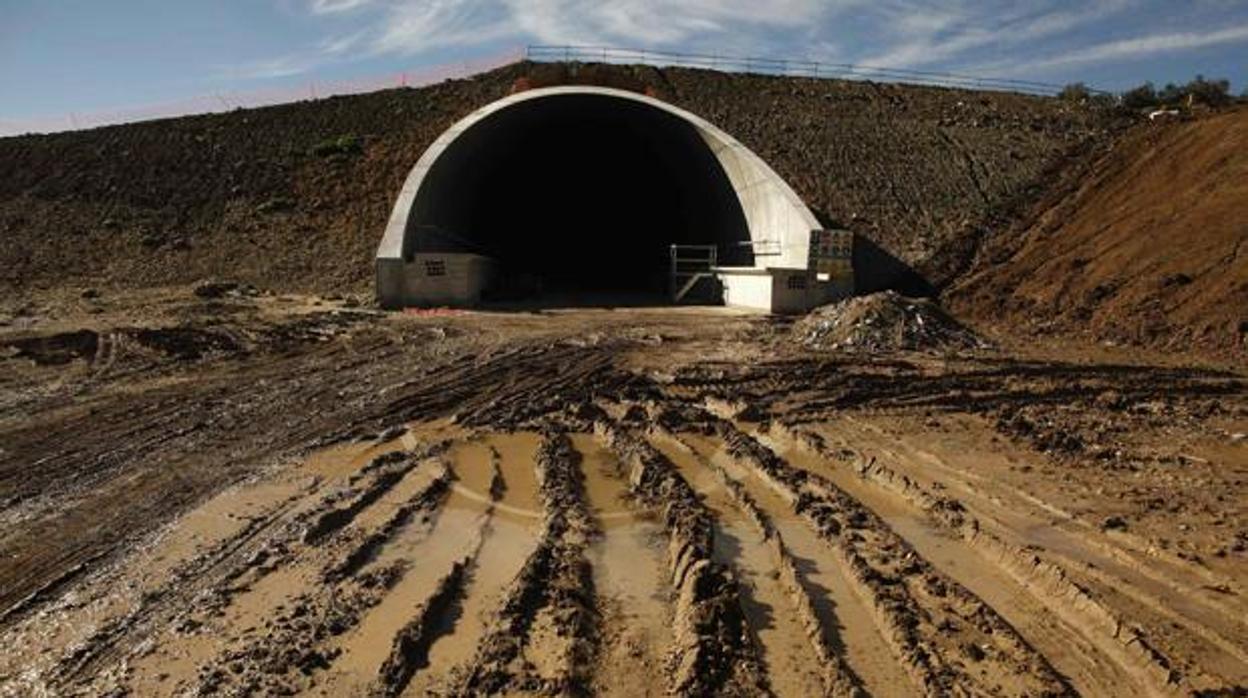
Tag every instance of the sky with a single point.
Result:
(66, 57)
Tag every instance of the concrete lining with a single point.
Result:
(774, 214)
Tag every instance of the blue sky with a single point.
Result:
(65, 56)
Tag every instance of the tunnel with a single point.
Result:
(581, 196)
(577, 195)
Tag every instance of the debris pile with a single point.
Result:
(885, 321)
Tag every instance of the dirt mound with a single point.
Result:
(295, 197)
(883, 322)
(1145, 245)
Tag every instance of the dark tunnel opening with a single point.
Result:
(580, 197)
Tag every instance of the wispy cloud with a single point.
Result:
(327, 7)
(920, 36)
(1142, 46)
(415, 27)
(995, 36)
(271, 68)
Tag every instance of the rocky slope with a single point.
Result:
(295, 197)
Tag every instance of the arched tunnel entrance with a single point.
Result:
(581, 197)
(576, 195)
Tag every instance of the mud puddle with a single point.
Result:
(786, 650)
(429, 556)
(843, 614)
(630, 577)
(1077, 659)
(508, 537)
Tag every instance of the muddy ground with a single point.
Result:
(261, 494)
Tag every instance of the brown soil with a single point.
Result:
(295, 197)
(1145, 244)
(259, 494)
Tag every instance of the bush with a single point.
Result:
(1140, 97)
(277, 204)
(1215, 93)
(1075, 92)
(341, 146)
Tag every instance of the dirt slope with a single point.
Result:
(1148, 246)
(272, 197)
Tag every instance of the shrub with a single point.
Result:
(276, 204)
(341, 146)
(1075, 92)
(1140, 97)
(1215, 93)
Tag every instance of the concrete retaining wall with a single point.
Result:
(433, 279)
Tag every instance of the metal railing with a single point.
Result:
(689, 265)
(783, 66)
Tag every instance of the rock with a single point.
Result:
(1114, 523)
(216, 288)
(392, 433)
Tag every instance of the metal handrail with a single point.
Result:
(785, 66)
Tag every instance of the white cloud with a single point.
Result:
(1142, 46)
(326, 7)
(413, 27)
(979, 36)
(922, 37)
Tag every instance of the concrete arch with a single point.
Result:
(779, 224)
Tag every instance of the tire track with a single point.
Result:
(204, 585)
(947, 637)
(634, 595)
(291, 614)
(1081, 635)
(544, 637)
(846, 628)
(1150, 588)
(508, 539)
(713, 651)
(777, 607)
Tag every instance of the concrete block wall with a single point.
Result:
(428, 279)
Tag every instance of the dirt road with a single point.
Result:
(267, 495)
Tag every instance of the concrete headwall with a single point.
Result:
(775, 215)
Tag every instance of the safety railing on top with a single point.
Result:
(783, 66)
(312, 89)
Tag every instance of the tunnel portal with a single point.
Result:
(580, 195)
(576, 195)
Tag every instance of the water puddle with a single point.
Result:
(785, 647)
(1065, 649)
(508, 538)
(517, 457)
(848, 624)
(630, 576)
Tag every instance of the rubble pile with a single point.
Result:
(885, 321)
